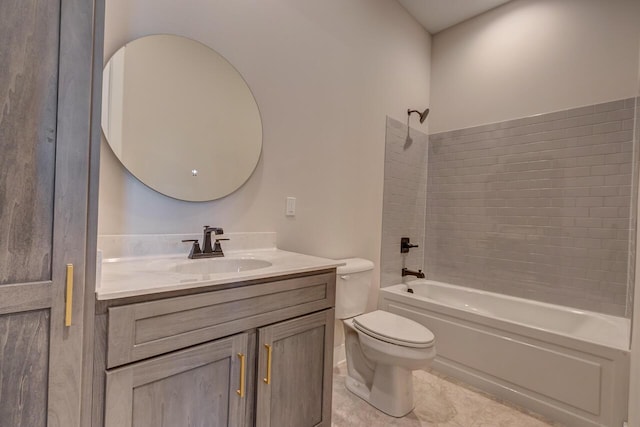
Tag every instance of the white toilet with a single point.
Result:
(382, 348)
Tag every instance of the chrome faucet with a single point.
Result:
(207, 250)
(406, 272)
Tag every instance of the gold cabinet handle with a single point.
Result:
(69, 298)
(267, 380)
(242, 374)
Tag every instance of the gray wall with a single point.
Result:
(405, 188)
(536, 207)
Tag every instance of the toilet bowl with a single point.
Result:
(382, 348)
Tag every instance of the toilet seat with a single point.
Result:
(394, 329)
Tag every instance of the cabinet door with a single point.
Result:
(45, 119)
(198, 387)
(295, 363)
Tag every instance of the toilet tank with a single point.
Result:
(352, 287)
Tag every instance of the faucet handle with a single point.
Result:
(195, 248)
(216, 245)
(405, 245)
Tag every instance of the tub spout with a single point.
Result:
(406, 272)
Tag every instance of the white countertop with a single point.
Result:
(126, 277)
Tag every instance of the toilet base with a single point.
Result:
(391, 391)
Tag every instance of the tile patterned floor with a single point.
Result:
(439, 403)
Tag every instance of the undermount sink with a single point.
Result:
(147, 265)
(220, 265)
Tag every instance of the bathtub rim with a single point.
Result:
(398, 293)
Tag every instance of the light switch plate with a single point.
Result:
(291, 206)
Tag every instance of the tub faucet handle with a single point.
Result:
(405, 245)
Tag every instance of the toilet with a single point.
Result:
(382, 348)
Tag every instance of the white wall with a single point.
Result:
(325, 74)
(533, 56)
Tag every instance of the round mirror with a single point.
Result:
(180, 118)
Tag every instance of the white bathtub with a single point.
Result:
(570, 365)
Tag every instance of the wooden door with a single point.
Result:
(45, 118)
(295, 366)
(203, 386)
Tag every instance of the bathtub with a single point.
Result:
(567, 364)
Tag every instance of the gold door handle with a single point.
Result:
(242, 374)
(267, 380)
(69, 298)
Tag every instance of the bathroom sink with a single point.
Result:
(220, 265)
(142, 275)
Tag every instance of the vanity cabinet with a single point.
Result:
(295, 372)
(256, 353)
(191, 387)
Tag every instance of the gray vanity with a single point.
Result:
(248, 348)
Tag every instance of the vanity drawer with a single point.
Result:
(142, 330)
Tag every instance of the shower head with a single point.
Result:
(423, 115)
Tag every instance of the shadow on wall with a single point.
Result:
(404, 200)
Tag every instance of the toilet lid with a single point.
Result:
(394, 329)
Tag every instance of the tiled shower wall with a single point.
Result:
(537, 207)
(405, 189)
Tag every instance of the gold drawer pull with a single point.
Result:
(242, 374)
(267, 380)
(69, 299)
